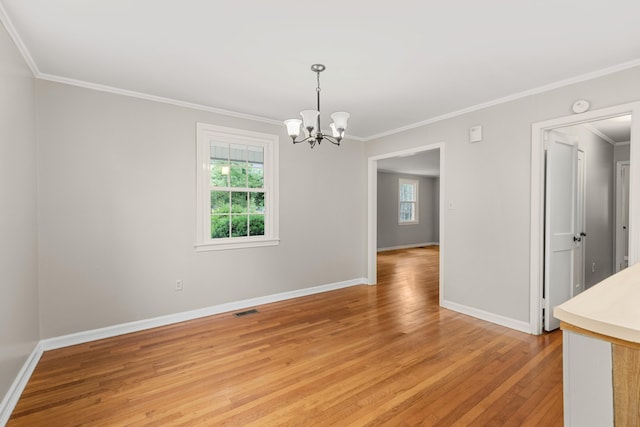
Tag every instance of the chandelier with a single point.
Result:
(311, 121)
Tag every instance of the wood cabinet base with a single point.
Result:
(626, 385)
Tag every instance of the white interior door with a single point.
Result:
(561, 233)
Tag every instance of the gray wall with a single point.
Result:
(18, 227)
(486, 236)
(118, 208)
(599, 204)
(600, 207)
(621, 152)
(390, 233)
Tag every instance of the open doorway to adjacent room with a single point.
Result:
(405, 211)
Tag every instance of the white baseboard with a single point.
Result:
(125, 328)
(508, 322)
(414, 245)
(13, 394)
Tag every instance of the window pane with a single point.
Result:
(238, 154)
(219, 151)
(220, 202)
(219, 174)
(407, 211)
(238, 176)
(256, 202)
(239, 202)
(407, 193)
(239, 225)
(256, 177)
(255, 155)
(219, 226)
(256, 225)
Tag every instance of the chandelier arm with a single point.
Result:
(307, 139)
(332, 140)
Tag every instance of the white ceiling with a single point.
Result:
(390, 64)
(615, 130)
(425, 163)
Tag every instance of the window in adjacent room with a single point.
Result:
(408, 213)
(236, 188)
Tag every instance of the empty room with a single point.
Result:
(341, 213)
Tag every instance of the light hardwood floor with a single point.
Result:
(380, 355)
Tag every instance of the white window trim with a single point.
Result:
(204, 134)
(415, 182)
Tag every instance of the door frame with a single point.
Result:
(537, 196)
(372, 208)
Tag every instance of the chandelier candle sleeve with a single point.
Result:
(311, 121)
(293, 127)
(335, 132)
(340, 120)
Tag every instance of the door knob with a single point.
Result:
(583, 234)
(577, 239)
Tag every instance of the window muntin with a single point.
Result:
(408, 201)
(237, 188)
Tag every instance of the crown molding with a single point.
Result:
(13, 33)
(515, 96)
(155, 98)
(161, 99)
(596, 132)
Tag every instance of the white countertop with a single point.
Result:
(611, 307)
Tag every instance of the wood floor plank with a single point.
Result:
(364, 355)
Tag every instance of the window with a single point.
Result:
(236, 188)
(408, 191)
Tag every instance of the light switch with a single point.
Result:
(475, 134)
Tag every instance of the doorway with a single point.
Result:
(372, 243)
(538, 218)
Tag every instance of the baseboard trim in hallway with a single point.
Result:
(518, 325)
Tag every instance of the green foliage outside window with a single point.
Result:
(237, 213)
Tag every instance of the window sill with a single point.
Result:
(235, 244)
(408, 222)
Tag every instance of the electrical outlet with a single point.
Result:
(593, 267)
(179, 285)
